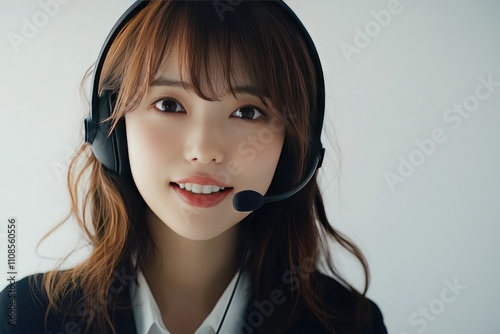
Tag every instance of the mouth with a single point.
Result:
(200, 200)
(184, 188)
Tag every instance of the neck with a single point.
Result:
(189, 270)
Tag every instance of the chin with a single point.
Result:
(200, 234)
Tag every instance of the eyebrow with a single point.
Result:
(164, 81)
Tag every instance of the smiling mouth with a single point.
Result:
(201, 200)
(195, 193)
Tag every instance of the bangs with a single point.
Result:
(217, 56)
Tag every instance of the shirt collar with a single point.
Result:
(148, 318)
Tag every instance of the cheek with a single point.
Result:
(149, 148)
(260, 159)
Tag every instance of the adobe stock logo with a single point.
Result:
(425, 315)
(31, 27)
(292, 279)
(454, 117)
(373, 28)
(224, 6)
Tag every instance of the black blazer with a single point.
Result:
(31, 303)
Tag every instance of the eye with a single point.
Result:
(249, 113)
(168, 105)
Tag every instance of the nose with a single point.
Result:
(204, 142)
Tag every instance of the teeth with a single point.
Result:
(199, 188)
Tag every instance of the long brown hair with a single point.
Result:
(255, 40)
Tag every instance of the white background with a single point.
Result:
(440, 225)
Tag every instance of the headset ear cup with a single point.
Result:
(102, 146)
(112, 151)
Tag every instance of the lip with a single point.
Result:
(203, 180)
(200, 200)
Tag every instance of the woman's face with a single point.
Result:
(176, 138)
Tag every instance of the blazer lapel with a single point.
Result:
(123, 318)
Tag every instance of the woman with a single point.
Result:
(205, 100)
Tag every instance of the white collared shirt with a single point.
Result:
(148, 319)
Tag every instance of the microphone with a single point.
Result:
(250, 200)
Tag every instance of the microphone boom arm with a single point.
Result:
(250, 200)
(268, 199)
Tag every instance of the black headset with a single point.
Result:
(112, 151)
